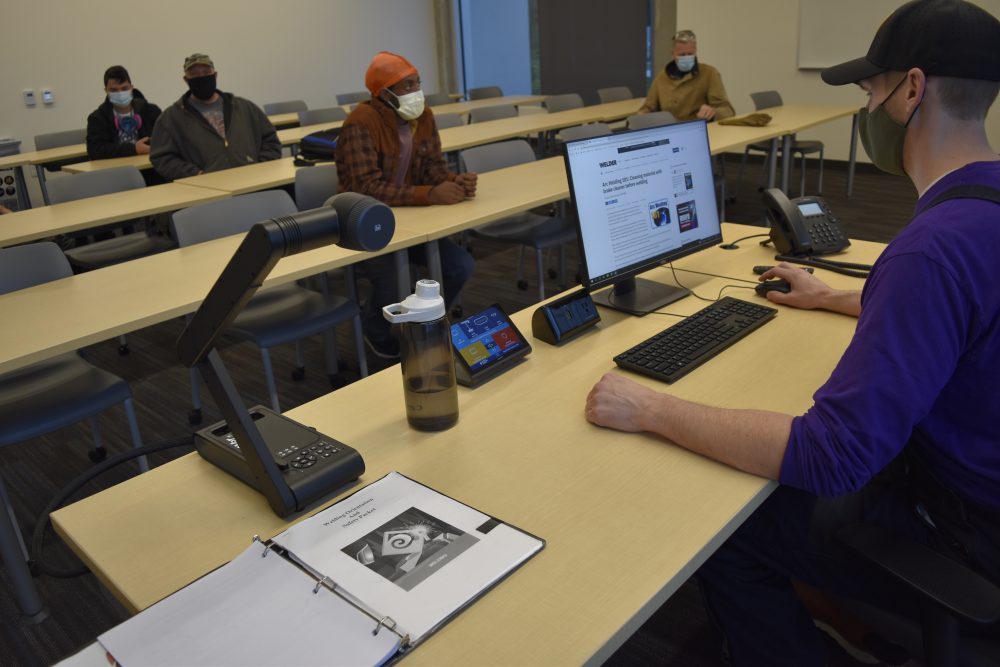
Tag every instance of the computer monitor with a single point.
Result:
(642, 198)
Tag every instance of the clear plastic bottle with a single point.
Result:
(429, 386)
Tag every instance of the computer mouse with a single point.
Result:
(773, 286)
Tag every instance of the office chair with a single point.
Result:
(275, 315)
(289, 106)
(483, 93)
(56, 140)
(614, 94)
(769, 99)
(584, 131)
(437, 99)
(446, 120)
(49, 395)
(956, 604)
(565, 102)
(116, 249)
(353, 98)
(641, 121)
(525, 229)
(483, 114)
(317, 116)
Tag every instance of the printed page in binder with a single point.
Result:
(256, 610)
(408, 552)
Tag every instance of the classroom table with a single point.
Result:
(464, 108)
(627, 517)
(39, 159)
(45, 221)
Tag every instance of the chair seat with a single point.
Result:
(118, 249)
(538, 231)
(289, 312)
(54, 393)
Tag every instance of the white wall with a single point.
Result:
(263, 50)
(755, 46)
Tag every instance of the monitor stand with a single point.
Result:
(638, 296)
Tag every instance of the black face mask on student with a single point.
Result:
(202, 87)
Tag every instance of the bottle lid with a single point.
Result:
(425, 305)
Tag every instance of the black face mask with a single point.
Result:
(202, 87)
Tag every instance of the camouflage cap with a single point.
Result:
(197, 59)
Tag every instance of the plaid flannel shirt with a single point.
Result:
(368, 149)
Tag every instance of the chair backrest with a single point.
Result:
(766, 99)
(32, 264)
(289, 106)
(434, 99)
(313, 186)
(351, 98)
(483, 93)
(556, 103)
(60, 139)
(653, 119)
(497, 112)
(481, 159)
(94, 183)
(446, 120)
(328, 115)
(226, 217)
(614, 94)
(584, 131)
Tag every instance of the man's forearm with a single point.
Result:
(750, 440)
(847, 302)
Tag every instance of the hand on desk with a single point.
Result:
(706, 112)
(142, 146)
(619, 403)
(810, 292)
(468, 181)
(449, 192)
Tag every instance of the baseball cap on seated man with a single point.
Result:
(197, 59)
(949, 38)
(386, 70)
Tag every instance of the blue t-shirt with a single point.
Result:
(926, 353)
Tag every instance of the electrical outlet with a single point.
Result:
(29, 97)
(47, 96)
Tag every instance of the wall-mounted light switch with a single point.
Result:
(47, 96)
(29, 97)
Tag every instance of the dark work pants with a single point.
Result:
(456, 269)
(747, 582)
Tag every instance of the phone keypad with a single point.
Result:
(825, 233)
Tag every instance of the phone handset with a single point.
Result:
(788, 230)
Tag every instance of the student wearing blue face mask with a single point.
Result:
(122, 125)
(687, 88)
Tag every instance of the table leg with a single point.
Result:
(403, 285)
(786, 161)
(40, 170)
(23, 200)
(25, 593)
(434, 262)
(853, 157)
(772, 164)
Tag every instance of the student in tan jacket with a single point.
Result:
(687, 88)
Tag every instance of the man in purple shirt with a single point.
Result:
(904, 433)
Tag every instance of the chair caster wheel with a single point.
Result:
(298, 374)
(194, 417)
(337, 381)
(124, 349)
(97, 454)
(522, 285)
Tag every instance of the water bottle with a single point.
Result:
(429, 387)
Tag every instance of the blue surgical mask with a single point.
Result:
(685, 63)
(121, 99)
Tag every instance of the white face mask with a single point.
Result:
(685, 63)
(411, 105)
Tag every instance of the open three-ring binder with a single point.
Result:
(360, 583)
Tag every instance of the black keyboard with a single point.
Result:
(679, 349)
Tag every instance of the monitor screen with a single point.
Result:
(642, 198)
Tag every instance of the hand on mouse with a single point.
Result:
(810, 292)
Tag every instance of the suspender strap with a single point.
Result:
(966, 192)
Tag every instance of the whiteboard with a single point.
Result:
(833, 32)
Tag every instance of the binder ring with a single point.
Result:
(319, 584)
(267, 547)
(381, 622)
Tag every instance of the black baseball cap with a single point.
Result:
(941, 37)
